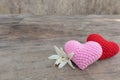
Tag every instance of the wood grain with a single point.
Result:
(26, 41)
(59, 7)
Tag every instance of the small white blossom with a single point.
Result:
(62, 58)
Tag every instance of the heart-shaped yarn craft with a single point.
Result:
(110, 48)
(84, 54)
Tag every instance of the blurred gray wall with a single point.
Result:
(59, 7)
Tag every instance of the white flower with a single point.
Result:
(62, 58)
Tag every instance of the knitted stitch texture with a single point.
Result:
(84, 54)
(110, 48)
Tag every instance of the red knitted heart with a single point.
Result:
(109, 48)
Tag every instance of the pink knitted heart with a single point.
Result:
(84, 54)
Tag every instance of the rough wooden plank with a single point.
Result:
(59, 7)
(27, 41)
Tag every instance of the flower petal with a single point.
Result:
(63, 53)
(53, 57)
(58, 61)
(71, 55)
(57, 50)
(62, 64)
(70, 63)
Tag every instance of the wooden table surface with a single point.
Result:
(26, 41)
